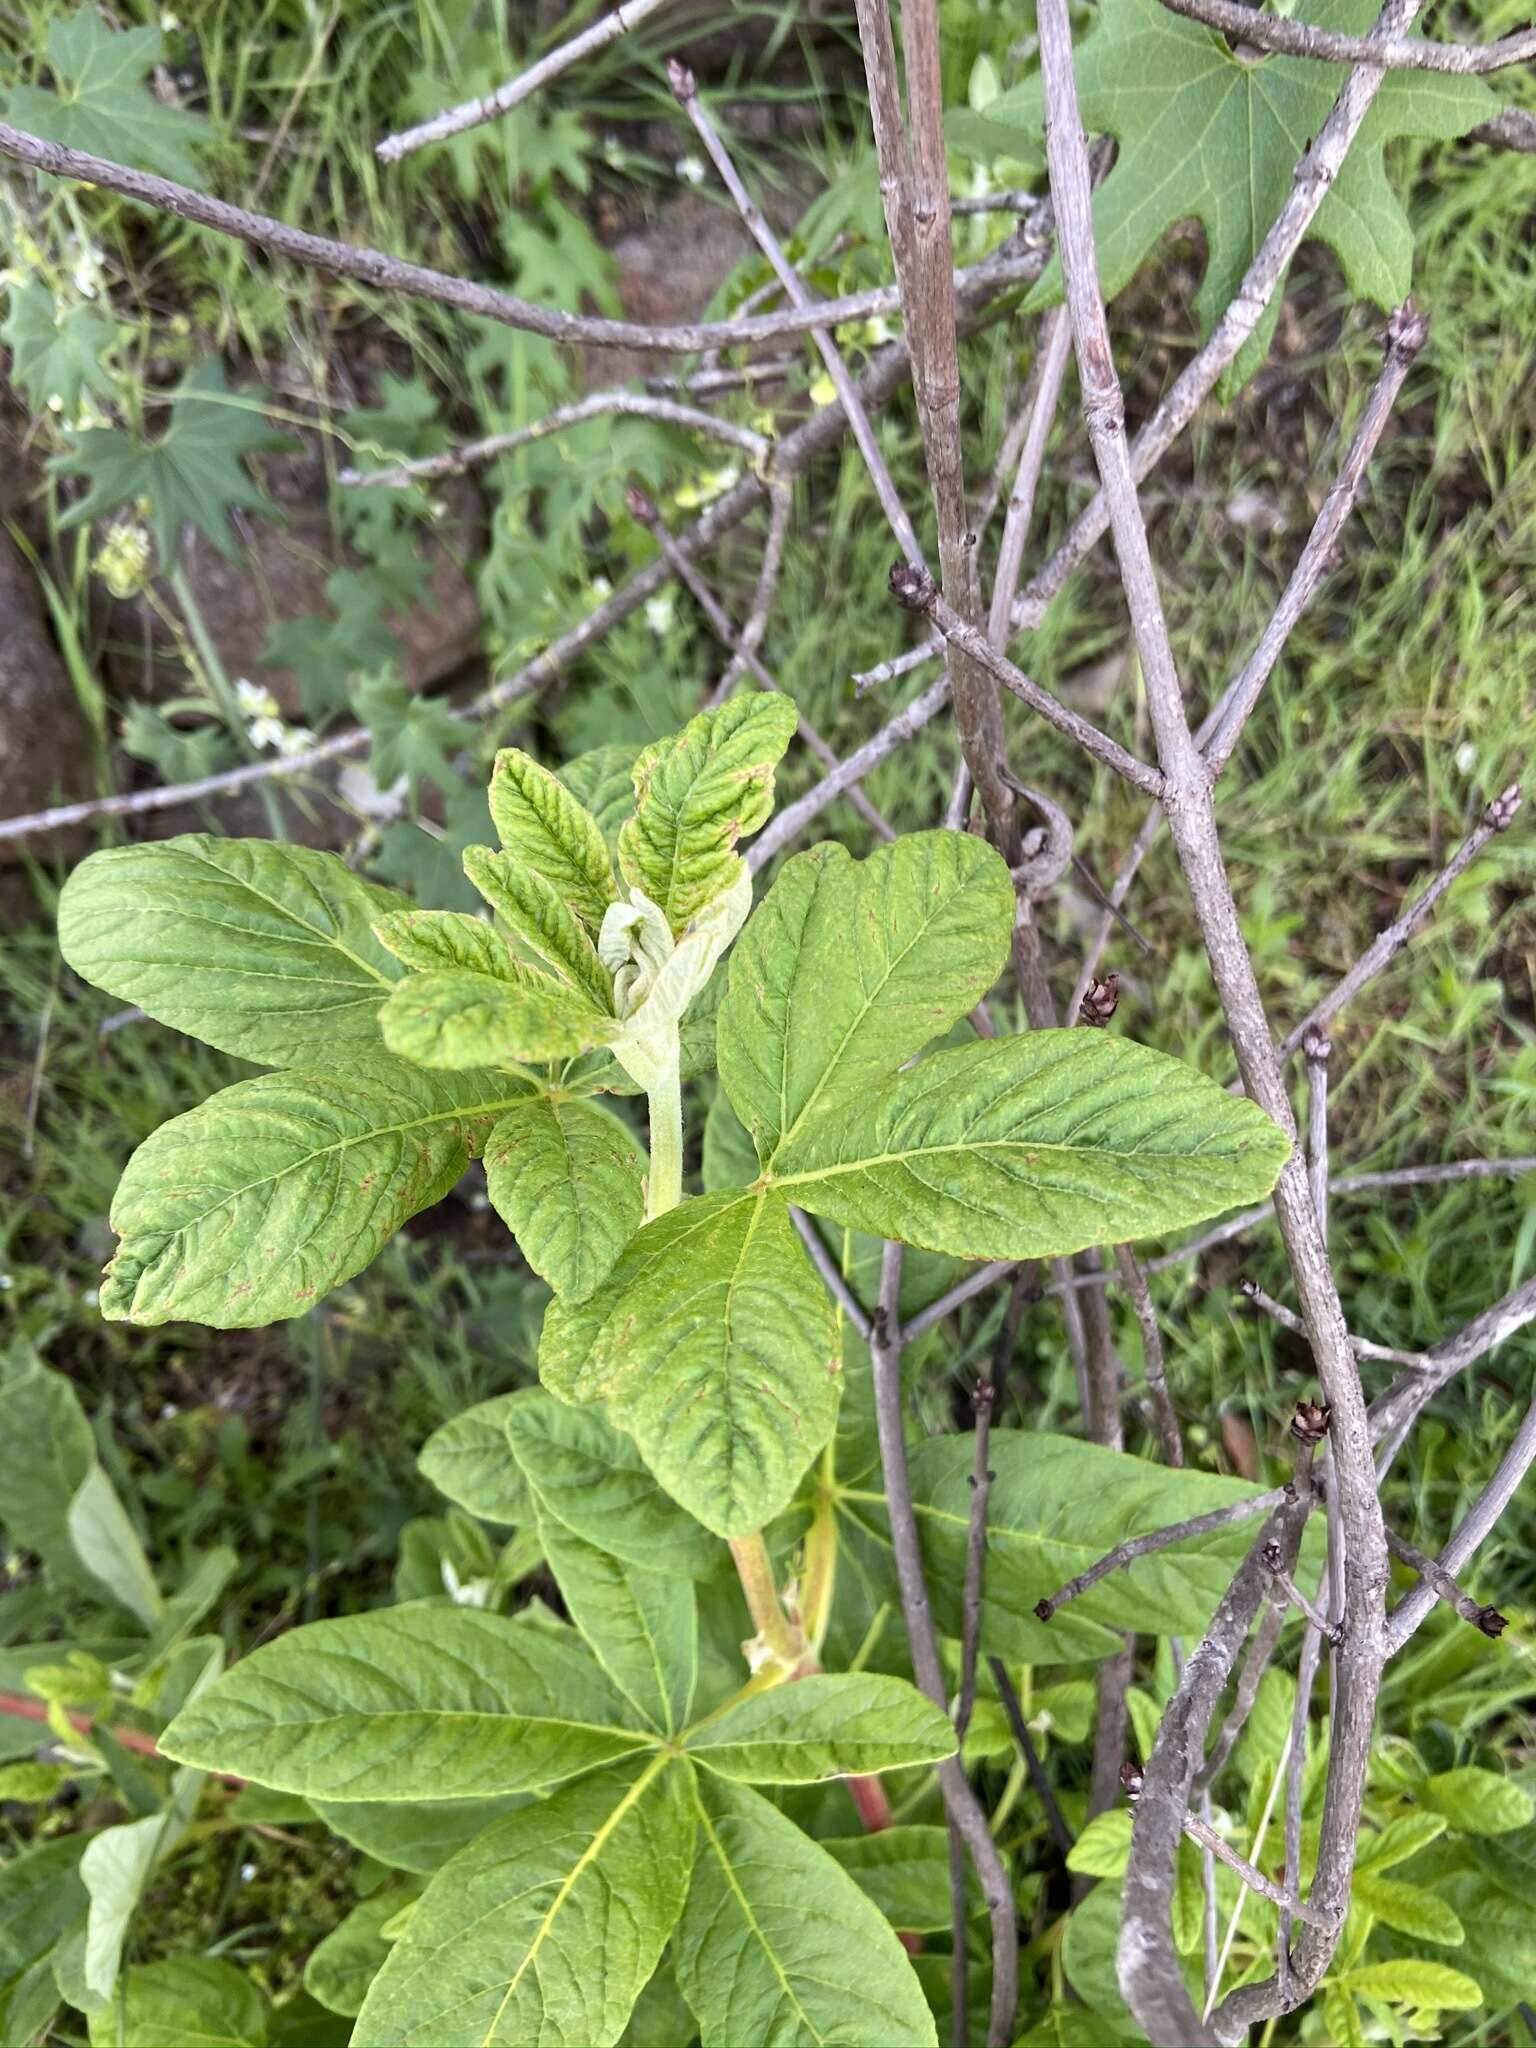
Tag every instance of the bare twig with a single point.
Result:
(414, 280)
(1387, 53)
(686, 88)
(1007, 1693)
(1260, 1652)
(1046, 376)
(1256, 1881)
(1499, 814)
(1440, 1582)
(1127, 1553)
(750, 638)
(1511, 128)
(599, 405)
(1152, 1351)
(1471, 1532)
(917, 590)
(454, 120)
(960, 1802)
(795, 817)
(827, 1267)
(983, 1401)
(709, 382)
(1319, 1050)
(1029, 205)
(1273, 1563)
(1398, 1408)
(1362, 1347)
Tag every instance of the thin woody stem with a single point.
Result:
(1444, 1586)
(1126, 1553)
(1329, 46)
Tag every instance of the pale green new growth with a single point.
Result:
(543, 824)
(538, 917)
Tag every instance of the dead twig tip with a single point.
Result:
(913, 586)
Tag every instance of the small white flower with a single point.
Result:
(690, 169)
(254, 700)
(600, 589)
(247, 1873)
(465, 1592)
(169, 1410)
(266, 732)
(296, 739)
(1466, 757)
(659, 610)
(7, 1280)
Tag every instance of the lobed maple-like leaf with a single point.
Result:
(1204, 134)
(101, 100)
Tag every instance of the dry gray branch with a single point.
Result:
(1388, 53)
(1440, 1582)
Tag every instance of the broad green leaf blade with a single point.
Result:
(568, 1180)
(642, 1626)
(43, 1905)
(1408, 1908)
(714, 1344)
(539, 821)
(194, 473)
(107, 1544)
(47, 1449)
(420, 1837)
(698, 794)
(778, 1944)
(450, 939)
(453, 1021)
(602, 781)
(182, 2002)
(1058, 1504)
(832, 1725)
(1207, 135)
(1022, 1148)
(1478, 1802)
(544, 1931)
(1432, 1986)
(471, 1460)
(102, 100)
(342, 1967)
(1103, 1849)
(534, 911)
(592, 1477)
(850, 967)
(115, 1869)
(421, 1702)
(252, 1206)
(56, 350)
(261, 950)
(905, 1870)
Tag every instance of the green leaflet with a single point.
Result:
(831, 1725)
(546, 1928)
(905, 1870)
(183, 2002)
(1422, 1985)
(592, 1477)
(536, 914)
(262, 950)
(1057, 1504)
(1478, 1802)
(1031, 1147)
(429, 939)
(250, 1207)
(43, 1904)
(714, 1344)
(568, 1180)
(419, 1837)
(642, 1626)
(539, 820)
(47, 1451)
(698, 794)
(849, 967)
(1409, 1908)
(602, 782)
(453, 1021)
(778, 1944)
(421, 1702)
(1207, 134)
(471, 1461)
(342, 1967)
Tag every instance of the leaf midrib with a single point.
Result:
(763, 1943)
(971, 1146)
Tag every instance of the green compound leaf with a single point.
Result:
(777, 1942)
(568, 1180)
(698, 794)
(832, 1725)
(642, 1626)
(56, 350)
(471, 1459)
(850, 967)
(592, 1477)
(535, 912)
(546, 1929)
(102, 102)
(182, 2002)
(1209, 135)
(250, 1207)
(451, 1021)
(1033, 1147)
(261, 950)
(713, 1343)
(539, 821)
(450, 939)
(193, 474)
(421, 1702)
